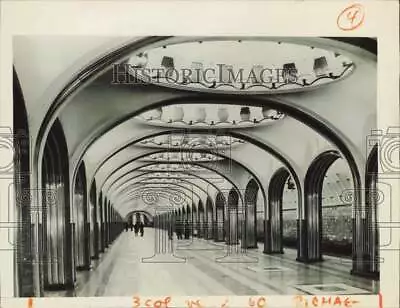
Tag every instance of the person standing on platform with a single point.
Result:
(141, 228)
(136, 228)
(126, 226)
(178, 229)
(187, 230)
(170, 231)
(131, 225)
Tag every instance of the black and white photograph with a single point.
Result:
(159, 166)
(217, 172)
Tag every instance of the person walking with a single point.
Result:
(126, 226)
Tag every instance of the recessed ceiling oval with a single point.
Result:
(239, 66)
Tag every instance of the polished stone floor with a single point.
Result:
(205, 268)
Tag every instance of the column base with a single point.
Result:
(219, 241)
(370, 275)
(60, 287)
(237, 258)
(164, 258)
(309, 261)
(83, 268)
(273, 252)
(195, 245)
(251, 247)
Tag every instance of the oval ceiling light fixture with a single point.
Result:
(213, 116)
(181, 157)
(253, 65)
(173, 167)
(191, 141)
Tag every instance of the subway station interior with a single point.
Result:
(242, 187)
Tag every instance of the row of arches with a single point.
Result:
(88, 221)
(81, 225)
(228, 221)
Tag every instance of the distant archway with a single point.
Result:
(219, 235)
(201, 219)
(233, 218)
(210, 220)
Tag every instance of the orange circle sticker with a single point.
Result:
(351, 17)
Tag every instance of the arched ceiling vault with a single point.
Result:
(318, 119)
(143, 212)
(194, 189)
(203, 185)
(187, 175)
(235, 185)
(229, 98)
(178, 195)
(204, 165)
(91, 70)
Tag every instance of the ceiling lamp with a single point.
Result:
(197, 71)
(320, 66)
(290, 184)
(224, 73)
(245, 114)
(167, 62)
(201, 115)
(257, 73)
(268, 113)
(289, 72)
(178, 114)
(139, 61)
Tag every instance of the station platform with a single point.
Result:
(205, 268)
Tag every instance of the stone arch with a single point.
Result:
(274, 226)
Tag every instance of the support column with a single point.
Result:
(106, 224)
(101, 226)
(232, 226)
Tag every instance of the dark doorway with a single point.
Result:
(274, 222)
(209, 218)
(312, 225)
